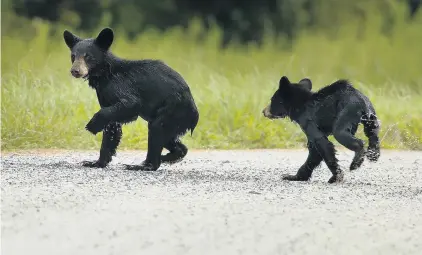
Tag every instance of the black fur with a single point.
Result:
(336, 110)
(127, 89)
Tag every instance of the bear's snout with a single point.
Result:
(75, 73)
(266, 112)
(79, 68)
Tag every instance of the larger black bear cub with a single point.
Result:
(127, 89)
(336, 109)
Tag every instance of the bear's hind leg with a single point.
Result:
(177, 123)
(156, 138)
(371, 129)
(172, 122)
(343, 132)
(177, 151)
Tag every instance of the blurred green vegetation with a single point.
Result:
(42, 106)
(239, 20)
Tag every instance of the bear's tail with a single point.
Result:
(371, 127)
(194, 122)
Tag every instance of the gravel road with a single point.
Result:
(214, 202)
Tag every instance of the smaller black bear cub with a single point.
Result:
(127, 89)
(336, 109)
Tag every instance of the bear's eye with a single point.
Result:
(72, 57)
(88, 57)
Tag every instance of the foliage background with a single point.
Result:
(231, 53)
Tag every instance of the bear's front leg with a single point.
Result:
(112, 135)
(324, 148)
(97, 123)
(305, 171)
(123, 112)
(327, 151)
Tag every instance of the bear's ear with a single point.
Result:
(306, 84)
(70, 39)
(284, 81)
(105, 38)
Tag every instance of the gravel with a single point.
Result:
(213, 202)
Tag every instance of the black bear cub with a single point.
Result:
(336, 110)
(128, 89)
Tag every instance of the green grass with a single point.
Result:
(42, 106)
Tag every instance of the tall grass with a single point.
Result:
(42, 106)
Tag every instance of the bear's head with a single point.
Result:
(288, 97)
(88, 55)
